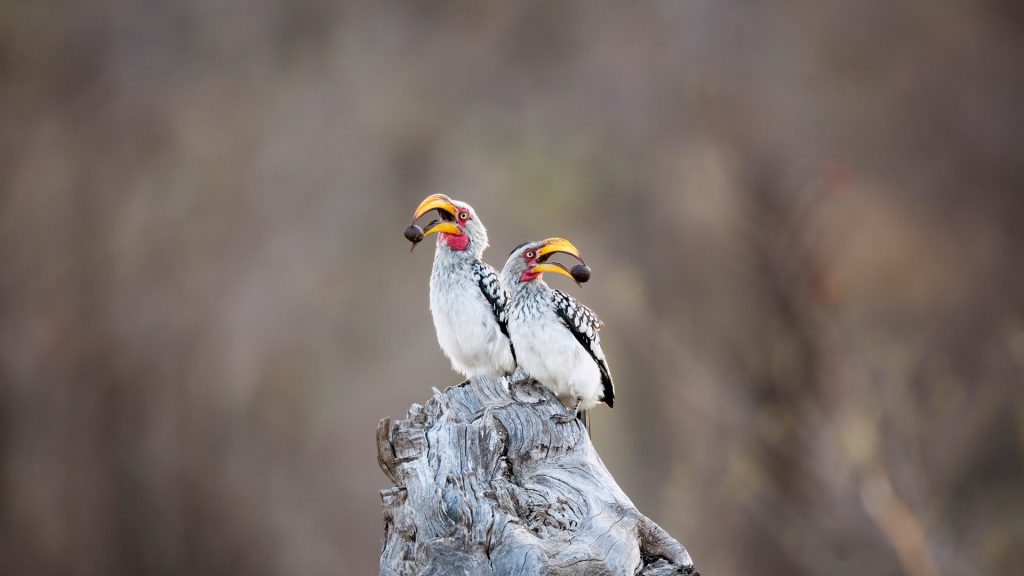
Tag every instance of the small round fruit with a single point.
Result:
(414, 234)
(580, 273)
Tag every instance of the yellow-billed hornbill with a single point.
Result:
(467, 299)
(555, 337)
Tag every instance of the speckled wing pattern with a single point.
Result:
(584, 325)
(490, 286)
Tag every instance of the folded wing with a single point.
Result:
(584, 325)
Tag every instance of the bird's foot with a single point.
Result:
(513, 389)
(570, 415)
(563, 418)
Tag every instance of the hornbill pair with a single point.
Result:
(488, 324)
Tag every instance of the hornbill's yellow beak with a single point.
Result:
(552, 246)
(444, 206)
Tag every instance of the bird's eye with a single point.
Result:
(530, 254)
(463, 215)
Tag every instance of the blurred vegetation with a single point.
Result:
(805, 221)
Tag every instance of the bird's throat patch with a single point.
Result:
(528, 276)
(455, 242)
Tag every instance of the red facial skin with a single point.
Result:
(529, 275)
(456, 241)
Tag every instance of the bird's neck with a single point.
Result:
(530, 288)
(445, 257)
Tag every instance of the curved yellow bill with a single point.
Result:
(442, 226)
(552, 245)
(435, 202)
(552, 267)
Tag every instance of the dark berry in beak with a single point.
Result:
(580, 273)
(414, 234)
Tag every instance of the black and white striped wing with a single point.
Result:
(584, 325)
(490, 286)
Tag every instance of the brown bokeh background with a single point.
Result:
(805, 219)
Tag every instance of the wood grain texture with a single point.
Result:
(486, 483)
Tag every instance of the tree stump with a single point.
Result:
(487, 483)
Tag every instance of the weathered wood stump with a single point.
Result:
(486, 482)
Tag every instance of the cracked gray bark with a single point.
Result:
(486, 483)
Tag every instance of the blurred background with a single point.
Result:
(805, 220)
